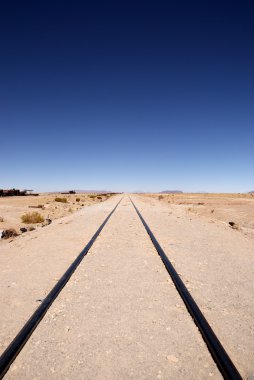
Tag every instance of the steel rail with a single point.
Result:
(14, 348)
(220, 356)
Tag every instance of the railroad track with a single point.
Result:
(14, 348)
(221, 358)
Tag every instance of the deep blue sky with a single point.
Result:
(132, 95)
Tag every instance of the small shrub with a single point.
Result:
(99, 197)
(212, 211)
(70, 209)
(160, 197)
(1, 219)
(92, 196)
(11, 232)
(63, 200)
(32, 217)
(77, 199)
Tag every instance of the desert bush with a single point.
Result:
(1, 219)
(32, 217)
(212, 211)
(70, 209)
(77, 199)
(11, 232)
(160, 197)
(63, 200)
(92, 196)
(99, 197)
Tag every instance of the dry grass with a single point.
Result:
(32, 217)
(63, 200)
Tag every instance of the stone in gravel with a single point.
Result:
(47, 222)
(173, 358)
(233, 225)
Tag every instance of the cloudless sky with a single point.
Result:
(127, 95)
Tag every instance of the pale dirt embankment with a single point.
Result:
(120, 315)
(225, 208)
(12, 208)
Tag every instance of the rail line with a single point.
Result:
(220, 356)
(14, 348)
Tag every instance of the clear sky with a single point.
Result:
(127, 95)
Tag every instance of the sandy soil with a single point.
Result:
(237, 208)
(12, 208)
(120, 317)
(217, 264)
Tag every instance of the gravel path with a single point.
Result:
(119, 317)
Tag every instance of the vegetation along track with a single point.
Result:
(14, 348)
(221, 358)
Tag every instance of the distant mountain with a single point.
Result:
(171, 192)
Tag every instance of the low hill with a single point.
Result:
(171, 192)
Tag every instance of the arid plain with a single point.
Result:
(120, 316)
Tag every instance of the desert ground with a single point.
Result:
(224, 208)
(12, 208)
(120, 316)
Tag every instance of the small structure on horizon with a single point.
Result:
(15, 192)
(69, 192)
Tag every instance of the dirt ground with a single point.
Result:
(120, 316)
(12, 208)
(237, 208)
